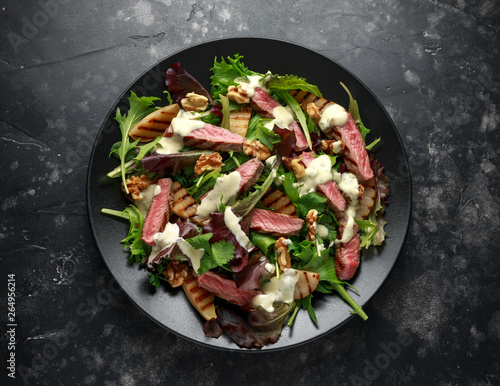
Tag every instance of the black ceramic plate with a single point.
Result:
(170, 308)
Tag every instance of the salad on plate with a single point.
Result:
(254, 197)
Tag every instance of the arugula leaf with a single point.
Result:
(216, 254)
(288, 186)
(311, 200)
(146, 148)
(235, 160)
(292, 82)
(257, 130)
(205, 182)
(299, 113)
(138, 248)
(303, 251)
(139, 108)
(354, 111)
(372, 145)
(372, 229)
(322, 264)
(306, 304)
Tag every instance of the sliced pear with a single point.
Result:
(154, 124)
(308, 281)
(201, 299)
(239, 120)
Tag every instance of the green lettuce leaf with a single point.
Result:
(225, 72)
(138, 248)
(354, 111)
(257, 131)
(139, 108)
(291, 82)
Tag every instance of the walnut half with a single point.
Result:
(256, 149)
(238, 94)
(298, 167)
(194, 102)
(311, 218)
(176, 273)
(136, 184)
(283, 254)
(208, 162)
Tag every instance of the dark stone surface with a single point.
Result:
(434, 65)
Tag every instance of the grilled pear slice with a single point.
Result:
(279, 202)
(154, 125)
(308, 281)
(239, 120)
(201, 299)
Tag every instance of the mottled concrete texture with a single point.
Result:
(434, 65)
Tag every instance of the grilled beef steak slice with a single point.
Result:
(214, 138)
(347, 254)
(159, 211)
(276, 224)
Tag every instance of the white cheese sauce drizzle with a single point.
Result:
(180, 127)
(333, 115)
(226, 188)
(318, 172)
(277, 290)
(348, 183)
(233, 224)
(162, 240)
(251, 84)
(147, 196)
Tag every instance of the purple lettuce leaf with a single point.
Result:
(180, 82)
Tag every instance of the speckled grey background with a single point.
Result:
(434, 65)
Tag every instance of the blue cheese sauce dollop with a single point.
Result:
(333, 115)
(147, 196)
(233, 224)
(180, 127)
(162, 240)
(348, 183)
(226, 189)
(318, 172)
(251, 84)
(277, 290)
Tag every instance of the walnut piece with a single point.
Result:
(313, 112)
(256, 149)
(208, 162)
(330, 146)
(176, 272)
(311, 218)
(298, 167)
(283, 254)
(194, 102)
(238, 94)
(136, 184)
